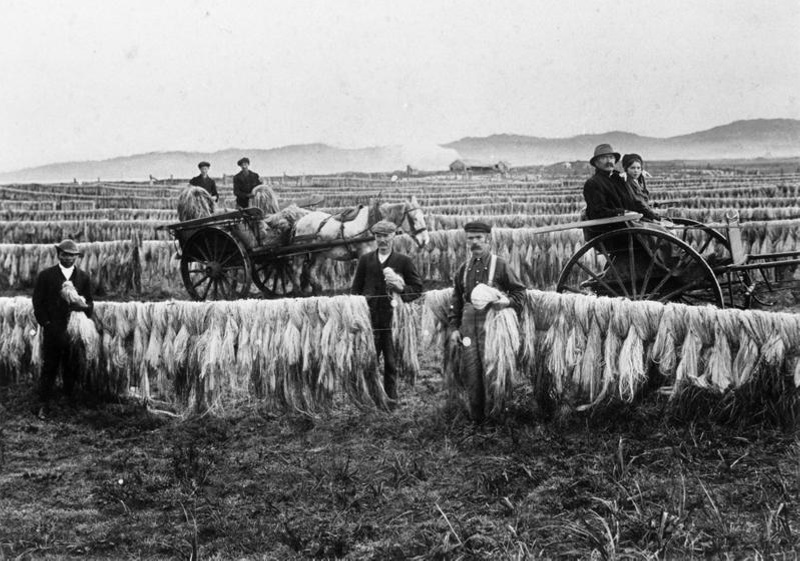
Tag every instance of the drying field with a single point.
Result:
(691, 450)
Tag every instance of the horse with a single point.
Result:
(319, 226)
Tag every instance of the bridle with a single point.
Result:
(413, 231)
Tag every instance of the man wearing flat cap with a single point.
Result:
(381, 276)
(203, 180)
(607, 194)
(244, 182)
(468, 323)
(52, 313)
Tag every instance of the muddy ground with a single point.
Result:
(109, 480)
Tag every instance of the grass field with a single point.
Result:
(647, 480)
(113, 481)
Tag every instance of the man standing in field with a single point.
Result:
(468, 322)
(204, 181)
(607, 194)
(52, 312)
(380, 275)
(244, 182)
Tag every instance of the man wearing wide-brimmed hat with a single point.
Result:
(383, 275)
(204, 180)
(607, 194)
(52, 313)
(244, 182)
(467, 317)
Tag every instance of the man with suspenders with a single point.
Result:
(468, 322)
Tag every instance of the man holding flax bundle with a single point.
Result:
(383, 275)
(479, 280)
(59, 291)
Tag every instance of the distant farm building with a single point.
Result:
(477, 166)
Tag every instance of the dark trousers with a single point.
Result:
(384, 346)
(473, 325)
(56, 353)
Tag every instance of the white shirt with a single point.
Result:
(67, 272)
(382, 258)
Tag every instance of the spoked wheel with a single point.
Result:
(711, 244)
(641, 264)
(215, 266)
(715, 249)
(275, 277)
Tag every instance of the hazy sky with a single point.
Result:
(92, 80)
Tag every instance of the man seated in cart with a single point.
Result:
(607, 195)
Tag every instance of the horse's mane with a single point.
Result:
(374, 215)
(393, 212)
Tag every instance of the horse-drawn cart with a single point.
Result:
(687, 262)
(217, 264)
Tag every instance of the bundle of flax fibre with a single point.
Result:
(502, 352)
(82, 333)
(265, 199)
(194, 202)
(405, 330)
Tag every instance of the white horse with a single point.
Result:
(319, 226)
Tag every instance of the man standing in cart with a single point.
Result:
(468, 322)
(244, 182)
(381, 276)
(203, 180)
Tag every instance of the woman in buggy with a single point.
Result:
(608, 194)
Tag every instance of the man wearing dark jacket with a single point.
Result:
(468, 322)
(606, 192)
(204, 181)
(244, 182)
(52, 313)
(381, 274)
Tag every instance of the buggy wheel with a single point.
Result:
(711, 244)
(641, 264)
(275, 277)
(215, 266)
(715, 249)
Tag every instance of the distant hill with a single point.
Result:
(293, 160)
(771, 138)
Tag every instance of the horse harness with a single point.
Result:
(372, 219)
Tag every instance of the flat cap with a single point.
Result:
(68, 246)
(478, 227)
(204, 165)
(243, 161)
(384, 227)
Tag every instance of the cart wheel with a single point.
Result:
(275, 277)
(711, 244)
(641, 264)
(215, 266)
(714, 247)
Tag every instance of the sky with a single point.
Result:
(86, 80)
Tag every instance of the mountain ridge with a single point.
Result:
(751, 138)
